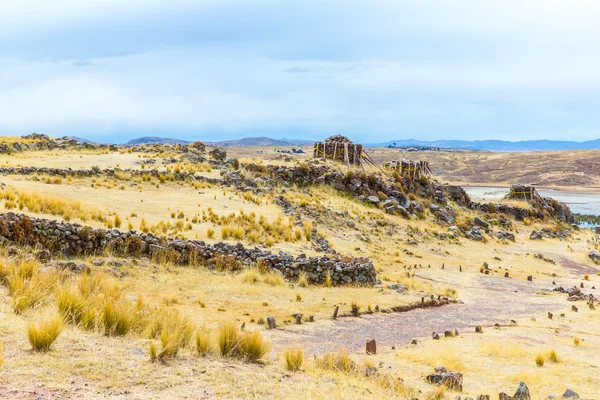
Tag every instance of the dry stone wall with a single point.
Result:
(53, 237)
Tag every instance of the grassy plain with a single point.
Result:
(89, 363)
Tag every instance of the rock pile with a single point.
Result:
(451, 380)
(68, 239)
(339, 148)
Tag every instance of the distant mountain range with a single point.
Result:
(156, 139)
(486, 145)
(495, 145)
(249, 141)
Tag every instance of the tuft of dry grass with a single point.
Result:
(41, 335)
(327, 282)
(294, 359)
(539, 360)
(229, 339)
(438, 393)
(203, 341)
(117, 317)
(302, 279)
(576, 341)
(338, 361)
(249, 346)
(552, 356)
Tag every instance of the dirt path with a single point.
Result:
(487, 300)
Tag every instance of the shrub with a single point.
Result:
(210, 233)
(43, 334)
(576, 341)
(118, 221)
(294, 358)
(298, 297)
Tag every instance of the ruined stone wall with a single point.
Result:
(68, 239)
(394, 196)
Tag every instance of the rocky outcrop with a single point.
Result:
(67, 239)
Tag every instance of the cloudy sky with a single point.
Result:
(111, 70)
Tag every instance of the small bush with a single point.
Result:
(43, 334)
(576, 341)
(298, 297)
(294, 358)
(210, 233)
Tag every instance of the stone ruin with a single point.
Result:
(546, 206)
(522, 192)
(51, 237)
(339, 148)
(409, 169)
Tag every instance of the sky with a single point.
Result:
(376, 71)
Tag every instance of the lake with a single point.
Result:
(581, 203)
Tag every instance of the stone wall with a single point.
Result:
(394, 197)
(67, 239)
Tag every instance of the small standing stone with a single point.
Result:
(335, 312)
(530, 278)
(371, 346)
(271, 322)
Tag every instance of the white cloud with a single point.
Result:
(377, 71)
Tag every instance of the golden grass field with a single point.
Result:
(95, 363)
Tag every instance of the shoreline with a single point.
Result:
(567, 189)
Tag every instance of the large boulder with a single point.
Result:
(536, 235)
(477, 221)
(218, 154)
(594, 255)
(522, 393)
(445, 216)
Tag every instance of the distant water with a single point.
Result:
(580, 203)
